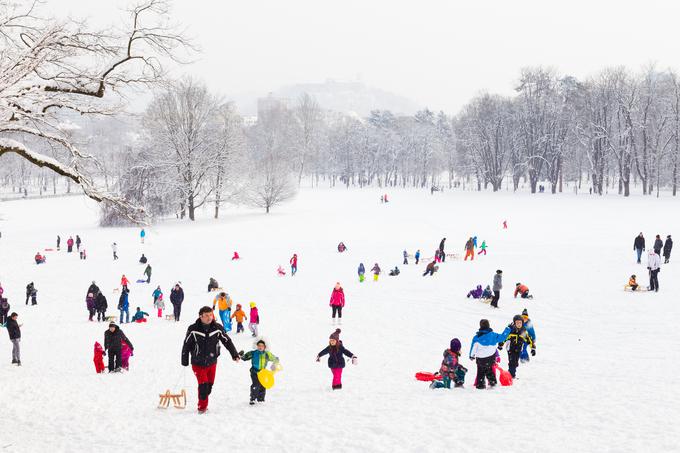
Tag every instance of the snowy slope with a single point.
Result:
(602, 379)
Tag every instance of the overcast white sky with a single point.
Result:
(438, 53)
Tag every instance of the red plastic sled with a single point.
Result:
(505, 377)
(427, 377)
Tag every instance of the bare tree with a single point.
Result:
(180, 122)
(48, 66)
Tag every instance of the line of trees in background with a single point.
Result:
(616, 130)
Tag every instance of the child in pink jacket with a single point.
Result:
(337, 301)
(125, 353)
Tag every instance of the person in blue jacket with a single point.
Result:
(417, 256)
(483, 350)
(524, 356)
(361, 271)
(259, 358)
(124, 305)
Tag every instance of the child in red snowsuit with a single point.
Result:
(98, 358)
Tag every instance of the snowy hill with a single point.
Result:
(602, 379)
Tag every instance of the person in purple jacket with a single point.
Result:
(336, 361)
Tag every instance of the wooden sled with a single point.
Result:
(486, 301)
(169, 317)
(179, 401)
(640, 289)
(214, 290)
(111, 318)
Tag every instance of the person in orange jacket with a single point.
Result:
(240, 315)
(469, 250)
(523, 291)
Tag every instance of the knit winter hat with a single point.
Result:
(525, 312)
(252, 305)
(484, 324)
(455, 345)
(335, 335)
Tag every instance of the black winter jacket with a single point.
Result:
(202, 342)
(517, 338)
(100, 303)
(335, 355)
(94, 289)
(13, 329)
(667, 247)
(112, 340)
(177, 296)
(639, 243)
(658, 245)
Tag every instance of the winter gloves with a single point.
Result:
(533, 352)
(500, 346)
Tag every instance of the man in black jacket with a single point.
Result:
(112, 343)
(176, 298)
(658, 245)
(639, 246)
(100, 304)
(202, 342)
(441, 250)
(667, 247)
(14, 331)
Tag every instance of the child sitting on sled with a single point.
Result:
(487, 293)
(280, 271)
(475, 293)
(139, 316)
(451, 369)
(632, 283)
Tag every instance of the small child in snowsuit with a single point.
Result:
(98, 358)
(632, 282)
(139, 316)
(482, 250)
(523, 291)
(280, 271)
(487, 294)
(254, 319)
(376, 272)
(160, 305)
(240, 315)
(405, 257)
(524, 356)
(394, 272)
(259, 357)
(417, 256)
(125, 353)
(336, 361)
(361, 271)
(451, 369)
(516, 340)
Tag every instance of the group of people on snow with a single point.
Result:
(518, 337)
(653, 259)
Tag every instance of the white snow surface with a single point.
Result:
(603, 378)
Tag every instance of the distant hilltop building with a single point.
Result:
(271, 103)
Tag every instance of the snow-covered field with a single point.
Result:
(603, 379)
